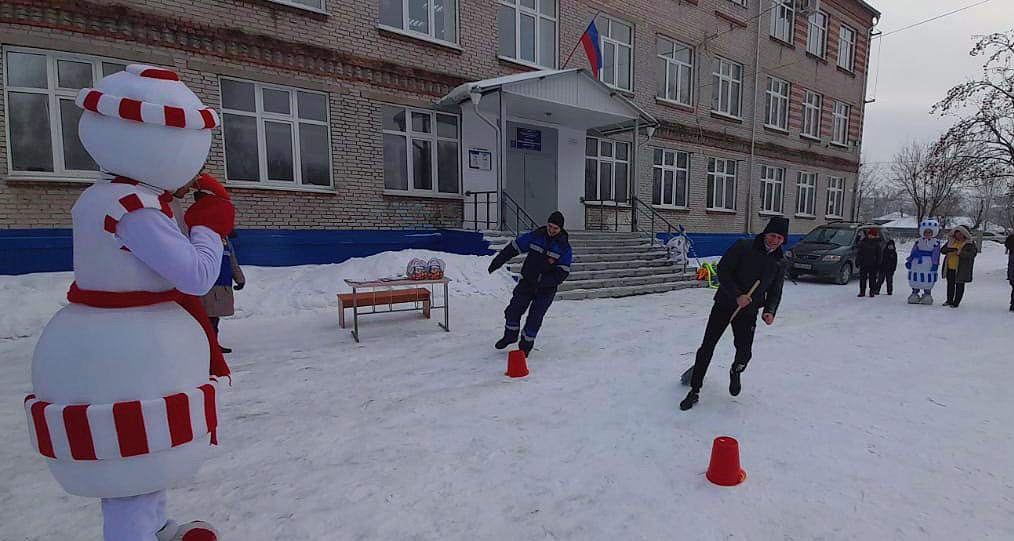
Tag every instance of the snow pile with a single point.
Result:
(29, 301)
(275, 291)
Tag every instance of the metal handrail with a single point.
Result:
(602, 209)
(653, 214)
(488, 223)
(519, 212)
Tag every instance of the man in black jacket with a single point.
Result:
(870, 254)
(546, 266)
(746, 263)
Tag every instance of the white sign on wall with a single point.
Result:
(480, 158)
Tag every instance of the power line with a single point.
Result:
(931, 19)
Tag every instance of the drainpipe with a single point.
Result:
(862, 116)
(475, 95)
(748, 224)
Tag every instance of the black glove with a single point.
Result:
(239, 286)
(493, 267)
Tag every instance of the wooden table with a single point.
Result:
(372, 286)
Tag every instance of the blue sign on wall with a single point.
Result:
(528, 139)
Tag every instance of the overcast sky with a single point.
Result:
(919, 65)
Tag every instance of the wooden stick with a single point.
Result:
(748, 294)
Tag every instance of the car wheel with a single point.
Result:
(844, 275)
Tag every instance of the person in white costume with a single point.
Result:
(923, 263)
(125, 377)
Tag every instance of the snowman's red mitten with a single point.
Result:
(208, 183)
(213, 212)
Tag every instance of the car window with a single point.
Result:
(830, 235)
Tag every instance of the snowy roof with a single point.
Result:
(911, 222)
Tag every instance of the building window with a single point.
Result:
(783, 14)
(816, 40)
(41, 115)
(835, 197)
(812, 103)
(772, 184)
(846, 48)
(671, 171)
(676, 71)
(420, 151)
(806, 194)
(840, 133)
(434, 19)
(777, 109)
(606, 170)
(275, 135)
(721, 184)
(315, 5)
(727, 87)
(617, 52)
(739, 2)
(528, 31)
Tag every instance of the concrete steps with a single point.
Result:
(580, 294)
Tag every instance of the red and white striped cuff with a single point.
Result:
(172, 116)
(121, 429)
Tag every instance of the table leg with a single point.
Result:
(447, 311)
(355, 315)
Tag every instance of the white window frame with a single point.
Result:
(816, 37)
(600, 158)
(681, 67)
(776, 109)
(847, 48)
(55, 94)
(675, 169)
(434, 138)
(606, 41)
(292, 3)
(806, 194)
(293, 120)
(716, 177)
(739, 2)
(721, 80)
(813, 104)
(835, 197)
(518, 11)
(772, 190)
(840, 129)
(783, 19)
(428, 36)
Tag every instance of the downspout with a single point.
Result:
(862, 119)
(475, 95)
(748, 224)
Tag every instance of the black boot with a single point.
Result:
(526, 345)
(224, 349)
(692, 397)
(509, 337)
(734, 384)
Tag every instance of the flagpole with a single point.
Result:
(578, 44)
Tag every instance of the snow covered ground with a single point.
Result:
(859, 418)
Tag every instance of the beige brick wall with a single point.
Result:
(360, 66)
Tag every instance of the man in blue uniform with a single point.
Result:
(546, 266)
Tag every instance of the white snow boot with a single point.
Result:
(927, 299)
(914, 298)
(192, 531)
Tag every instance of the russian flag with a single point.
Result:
(590, 40)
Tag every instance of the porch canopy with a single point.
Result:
(571, 97)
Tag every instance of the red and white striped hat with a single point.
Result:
(173, 116)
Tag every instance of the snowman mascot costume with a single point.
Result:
(125, 376)
(923, 263)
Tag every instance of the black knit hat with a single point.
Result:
(778, 225)
(556, 218)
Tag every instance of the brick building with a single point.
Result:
(344, 115)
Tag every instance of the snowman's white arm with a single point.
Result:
(191, 265)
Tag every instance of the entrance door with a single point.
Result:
(532, 171)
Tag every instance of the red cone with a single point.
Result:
(724, 468)
(516, 365)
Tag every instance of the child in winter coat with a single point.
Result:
(923, 263)
(219, 301)
(546, 266)
(888, 264)
(870, 254)
(960, 257)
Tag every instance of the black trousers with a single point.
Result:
(1012, 293)
(214, 323)
(743, 328)
(867, 274)
(536, 300)
(955, 289)
(884, 277)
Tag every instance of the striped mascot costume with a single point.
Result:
(125, 377)
(923, 263)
